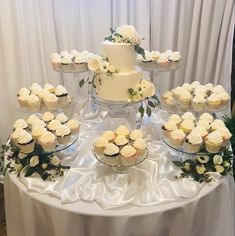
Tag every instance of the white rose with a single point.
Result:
(44, 166)
(217, 159)
(117, 39)
(200, 169)
(34, 161)
(104, 67)
(21, 155)
(148, 89)
(128, 33)
(202, 159)
(55, 161)
(137, 97)
(219, 168)
(18, 167)
(94, 64)
(187, 166)
(111, 69)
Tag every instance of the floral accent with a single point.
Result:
(46, 165)
(199, 168)
(126, 34)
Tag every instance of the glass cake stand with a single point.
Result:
(119, 164)
(78, 68)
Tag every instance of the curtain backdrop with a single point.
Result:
(31, 30)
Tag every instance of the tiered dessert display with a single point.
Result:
(116, 82)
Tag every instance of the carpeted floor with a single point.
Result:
(2, 213)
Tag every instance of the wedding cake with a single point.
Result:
(116, 75)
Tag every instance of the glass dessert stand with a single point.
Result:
(74, 68)
(119, 164)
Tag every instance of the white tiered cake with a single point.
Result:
(114, 87)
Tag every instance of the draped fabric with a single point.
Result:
(31, 30)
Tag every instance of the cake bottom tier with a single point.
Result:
(115, 87)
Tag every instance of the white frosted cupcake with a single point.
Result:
(140, 145)
(206, 116)
(213, 102)
(226, 135)
(53, 125)
(188, 87)
(49, 87)
(217, 124)
(122, 130)
(80, 62)
(204, 123)
(193, 142)
(26, 143)
(109, 135)
(23, 91)
(168, 53)
(169, 103)
(38, 131)
(155, 55)
(16, 134)
(47, 117)
(34, 102)
(186, 126)
(224, 97)
(100, 144)
(162, 60)
(38, 123)
(35, 88)
(128, 151)
(175, 118)
(121, 140)
(198, 103)
(66, 63)
(63, 134)
(213, 142)
(195, 84)
(168, 127)
(48, 141)
(73, 125)
(111, 150)
(62, 94)
(23, 100)
(175, 56)
(177, 92)
(51, 101)
(20, 123)
(62, 118)
(42, 93)
(188, 116)
(32, 119)
(177, 137)
(136, 134)
(167, 95)
(200, 129)
(56, 61)
(218, 89)
(185, 99)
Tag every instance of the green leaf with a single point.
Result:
(29, 171)
(148, 111)
(110, 38)
(140, 50)
(81, 83)
(131, 91)
(141, 110)
(112, 30)
(151, 104)
(178, 163)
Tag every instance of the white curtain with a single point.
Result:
(31, 30)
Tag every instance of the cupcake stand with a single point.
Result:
(91, 199)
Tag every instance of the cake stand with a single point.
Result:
(119, 164)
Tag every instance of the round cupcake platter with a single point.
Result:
(120, 164)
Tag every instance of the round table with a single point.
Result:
(34, 214)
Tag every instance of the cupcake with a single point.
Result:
(213, 102)
(23, 91)
(47, 117)
(20, 123)
(188, 116)
(162, 60)
(48, 141)
(49, 87)
(100, 144)
(155, 55)
(209, 87)
(224, 97)
(38, 131)
(198, 103)
(167, 95)
(73, 125)
(169, 103)
(175, 118)
(136, 134)
(62, 94)
(34, 103)
(217, 89)
(168, 53)
(111, 150)
(26, 143)
(206, 116)
(175, 56)
(168, 127)
(16, 134)
(195, 84)
(177, 137)
(226, 135)
(56, 61)
(185, 99)
(217, 124)
(204, 123)
(38, 123)
(109, 135)
(80, 62)
(213, 142)
(187, 126)
(42, 94)
(62, 118)
(32, 119)
(53, 125)
(188, 87)
(63, 134)
(193, 142)
(177, 92)
(128, 151)
(23, 100)
(35, 88)
(122, 130)
(121, 140)
(51, 101)
(200, 129)
(66, 63)
(140, 145)
(201, 89)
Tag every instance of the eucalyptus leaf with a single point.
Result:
(141, 110)
(151, 104)
(148, 111)
(178, 163)
(81, 83)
